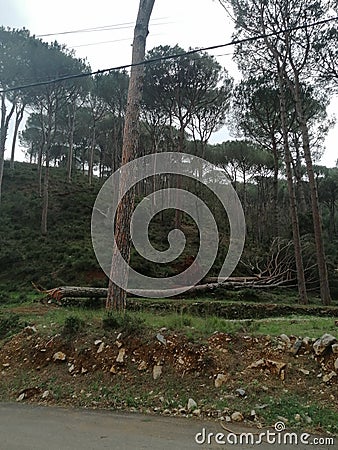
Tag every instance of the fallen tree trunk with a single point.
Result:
(61, 292)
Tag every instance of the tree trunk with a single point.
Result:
(317, 225)
(18, 120)
(3, 135)
(71, 124)
(116, 296)
(292, 197)
(275, 187)
(91, 156)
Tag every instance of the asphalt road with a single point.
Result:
(27, 427)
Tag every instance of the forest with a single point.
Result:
(277, 114)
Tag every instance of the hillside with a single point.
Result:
(65, 255)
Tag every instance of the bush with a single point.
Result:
(124, 322)
(73, 325)
(9, 324)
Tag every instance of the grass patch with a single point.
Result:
(9, 324)
(290, 406)
(124, 322)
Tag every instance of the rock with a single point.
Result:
(296, 346)
(30, 329)
(237, 416)
(83, 370)
(304, 371)
(227, 418)
(336, 364)
(257, 364)
(308, 419)
(59, 356)
(120, 356)
(113, 369)
(323, 343)
(118, 344)
(191, 404)
(98, 341)
(45, 394)
(298, 417)
(101, 347)
(21, 397)
(71, 368)
(6, 365)
(220, 379)
(241, 392)
(253, 415)
(196, 412)
(334, 348)
(142, 366)
(328, 377)
(161, 339)
(157, 372)
(285, 339)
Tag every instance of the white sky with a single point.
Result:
(189, 23)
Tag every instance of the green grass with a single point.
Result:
(193, 326)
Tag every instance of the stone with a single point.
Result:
(237, 416)
(241, 392)
(296, 346)
(101, 347)
(196, 412)
(336, 364)
(298, 417)
(6, 365)
(334, 348)
(83, 370)
(98, 341)
(220, 379)
(323, 343)
(30, 329)
(304, 371)
(120, 356)
(112, 369)
(59, 356)
(157, 372)
(21, 397)
(191, 404)
(142, 366)
(328, 377)
(161, 339)
(285, 339)
(71, 368)
(45, 394)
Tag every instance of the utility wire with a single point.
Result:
(117, 26)
(164, 58)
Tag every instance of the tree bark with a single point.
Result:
(5, 119)
(317, 225)
(18, 120)
(292, 197)
(116, 297)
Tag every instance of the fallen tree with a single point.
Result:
(235, 283)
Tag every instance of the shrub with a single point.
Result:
(73, 325)
(124, 322)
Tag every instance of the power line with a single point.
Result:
(164, 58)
(117, 26)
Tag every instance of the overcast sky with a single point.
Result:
(189, 23)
